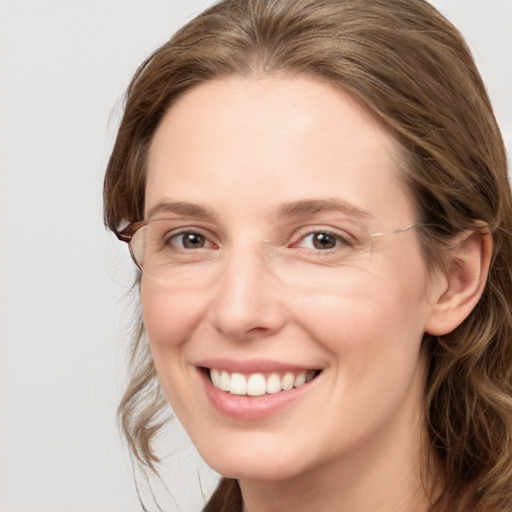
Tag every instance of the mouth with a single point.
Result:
(259, 384)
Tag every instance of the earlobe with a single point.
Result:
(463, 283)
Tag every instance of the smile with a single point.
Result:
(258, 384)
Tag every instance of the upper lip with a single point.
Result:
(254, 366)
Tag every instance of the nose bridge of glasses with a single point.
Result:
(247, 294)
(250, 258)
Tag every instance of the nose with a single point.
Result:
(248, 299)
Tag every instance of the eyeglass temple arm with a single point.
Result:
(397, 231)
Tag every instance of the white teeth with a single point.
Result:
(224, 381)
(238, 384)
(256, 384)
(287, 382)
(300, 379)
(215, 376)
(273, 383)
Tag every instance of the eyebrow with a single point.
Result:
(181, 208)
(289, 209)
(307, 207)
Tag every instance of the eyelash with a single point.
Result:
(174, 236)
(340, 241)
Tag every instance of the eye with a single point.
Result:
(323, 241)
(189, 240)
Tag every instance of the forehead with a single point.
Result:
(279, 139)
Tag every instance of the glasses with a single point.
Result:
(161, 248)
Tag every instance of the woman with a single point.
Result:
(316, 195)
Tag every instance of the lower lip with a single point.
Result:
(251, 408)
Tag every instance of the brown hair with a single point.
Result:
(412, 70)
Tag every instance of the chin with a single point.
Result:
(260, 470)
(256, 460)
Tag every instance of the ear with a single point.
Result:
(457, 293)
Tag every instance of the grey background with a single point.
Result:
(65, 314)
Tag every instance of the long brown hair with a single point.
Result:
(412, 70)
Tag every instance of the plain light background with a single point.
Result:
(64, 65)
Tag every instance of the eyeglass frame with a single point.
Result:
(127, 233)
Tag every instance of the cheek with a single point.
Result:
(170, 318)
(379, 324)
(374, 341)
(169, 314)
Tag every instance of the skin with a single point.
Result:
(241, 148)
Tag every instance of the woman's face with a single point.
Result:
(270, 188)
